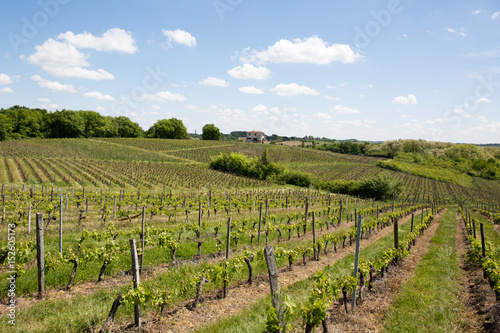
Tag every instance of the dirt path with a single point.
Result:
(483, 309)
(369, 314)
(242, 296)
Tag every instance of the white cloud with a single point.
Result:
(100, 109)
(114, 39)
(180, 36)
(5, 79)
(409, 100)
(351, 122)
(293, 89)
(331, 98)
(483, 100)
(46, 100)
(482, 119)
(64, 60)
(344, 110)
(214, 81)
(155, 107)
(98, 95)
(50, 106)
(52, 85)
(477, 12)
(192, 107)
(249, 71)
(311, 50)
(340, 85)
(260, 109)
(461, 32)
(6, 90)
(251, 90)
(495, 15)
(320, 115)
(163, 96)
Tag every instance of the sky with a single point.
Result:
(367, 70)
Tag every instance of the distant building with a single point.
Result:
(256, 136)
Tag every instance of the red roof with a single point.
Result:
(256, 132)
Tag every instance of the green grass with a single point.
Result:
(430, 301)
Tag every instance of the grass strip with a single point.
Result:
(431, 297)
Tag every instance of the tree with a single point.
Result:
(210, 132)
(66, 124)
(172, 128)
(127, 128)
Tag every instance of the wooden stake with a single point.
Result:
(40, 259)
(273, 281)
(356, 259)
(135, 277)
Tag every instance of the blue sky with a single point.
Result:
(370, 70)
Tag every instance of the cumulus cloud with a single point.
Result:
(249, 71)
(98, 95)
(495, 15)
(50, 106)
(477, 12)
(114, 39)
(461, 32)
(163, 96)
(214, 81)
(251, 90)
(52, 85)
(61, 59)
(100, 109)
(46, 100)
(409, 100)
(179, 36)
(6, 90)
(483, 100)
(5, 79)
(311, 50)
(260, 109)
(320, 115)
(293, 89)
(344, 110)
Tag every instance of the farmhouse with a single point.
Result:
(256, 136)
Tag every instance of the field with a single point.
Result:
(201, 234)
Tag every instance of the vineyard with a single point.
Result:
(117, 234)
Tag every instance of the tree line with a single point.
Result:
(20, 122)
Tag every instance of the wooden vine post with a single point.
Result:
(40, 259)
(483, 240)
(227, 253)
(228, 237)
(305, 216)
(143, 238)
(316, 251)
(273, 281)
(356, 259)
(260, 224)
(29, 218)
(340, 212)
(135, 279)
(60, 223)
(199, 221)
(396, 234)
